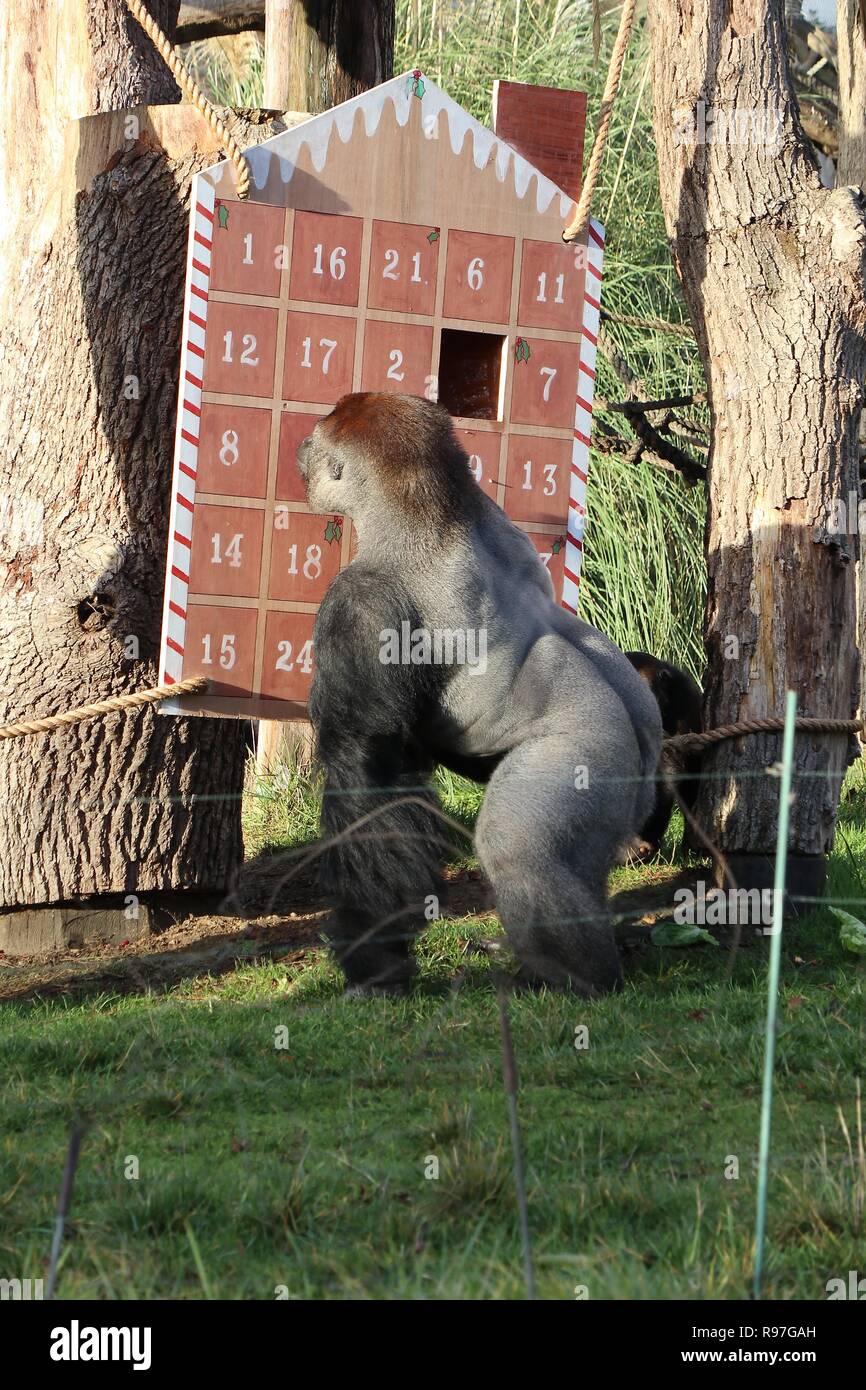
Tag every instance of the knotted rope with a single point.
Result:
(692, 742)
(193, 92)
(114, 702)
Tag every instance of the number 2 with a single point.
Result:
(304, 658)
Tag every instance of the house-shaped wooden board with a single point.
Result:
(390, 244)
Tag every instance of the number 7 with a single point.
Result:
(550, 373)
(328, 344)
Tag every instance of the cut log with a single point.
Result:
(92, 269)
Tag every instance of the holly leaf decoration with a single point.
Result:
(433, 236)
(329, 532)
(338, 533)
(521, 350)
(416, 83)
(334, 529)
(557, 545)
(223, 215)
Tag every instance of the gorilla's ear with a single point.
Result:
(662, 681)
(335, 467)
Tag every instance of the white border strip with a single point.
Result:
(583, 417)
(195, 309)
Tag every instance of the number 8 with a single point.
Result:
(229, 453)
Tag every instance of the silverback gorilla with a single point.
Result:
(554, 719)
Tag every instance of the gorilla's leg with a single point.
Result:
(547, 848)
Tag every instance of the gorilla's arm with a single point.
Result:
(378, 813)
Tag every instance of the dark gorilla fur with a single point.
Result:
(680, 700)
(554, 697)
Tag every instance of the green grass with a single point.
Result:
(304, 1166)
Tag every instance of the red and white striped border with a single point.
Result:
(198, 264)
(583, 416)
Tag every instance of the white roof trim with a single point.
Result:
(315, 134)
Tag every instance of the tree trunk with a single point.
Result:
(851, 170)
(93, 261)
(321, 52)
(772, 269)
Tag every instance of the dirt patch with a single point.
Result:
(250, 932)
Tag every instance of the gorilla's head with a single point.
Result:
(379, 456)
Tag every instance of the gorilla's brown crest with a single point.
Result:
(412, 446)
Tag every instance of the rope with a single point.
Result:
(193, 92)
(611, 87)
(692, 742)
(682, 330)
(114, 702)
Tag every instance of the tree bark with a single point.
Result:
(772, 267)
(321, 52)
(93, 263)
(851, 170)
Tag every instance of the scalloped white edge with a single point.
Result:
(315, 135)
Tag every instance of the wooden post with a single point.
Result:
(321, 52)
(317, 54)
(772, 269)
(92, 262)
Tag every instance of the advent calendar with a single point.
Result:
(390, 244)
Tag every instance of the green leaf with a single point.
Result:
(681, 934)
(329, 532)
(419, 87)
(433, 236)
(852, 932)
(223, 215)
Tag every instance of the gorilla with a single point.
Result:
(680, 699)
(442, 643)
